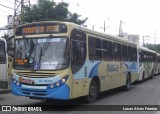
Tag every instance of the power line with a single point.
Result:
(5, 11)
(86, 10)
(9, 1)
(92, 14)
(6, 7)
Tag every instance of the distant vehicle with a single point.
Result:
(3, 64)
(157, 64)
(147, 63)
(61, 60)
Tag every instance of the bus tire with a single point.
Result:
(93, 92)
(128, 83)
(152, 75)
(143, 77)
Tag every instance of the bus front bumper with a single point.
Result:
(61, 92)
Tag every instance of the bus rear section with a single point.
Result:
(147, 63)
(157, 71)
(3, 65)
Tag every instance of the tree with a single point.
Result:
(74, 18)
(47, 10)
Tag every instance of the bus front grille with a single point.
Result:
(35, 92)
(36, 74)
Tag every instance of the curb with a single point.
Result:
(5, 91)
(8, 90)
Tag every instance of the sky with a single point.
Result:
(139, 17)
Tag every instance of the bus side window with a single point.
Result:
(78, 47)
(78, 52)
(124, 53)
(140, 57)
(107, 50)
(95, 48)
(2, 53)
(130, 58)
(134, 54)
(117, 51)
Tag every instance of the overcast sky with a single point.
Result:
(140, 17)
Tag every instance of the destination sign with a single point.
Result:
(21, 61)
(41, 28)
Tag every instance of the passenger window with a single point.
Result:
(124, 53)
(117, 51)
(2, 52)
(95, 49)
(130, 58)
(134, 50)
(107, 51)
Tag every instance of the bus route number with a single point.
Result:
(54, 28)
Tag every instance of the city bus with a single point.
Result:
(157, 64)
(147, 63)
(3, 64)
(62, 60)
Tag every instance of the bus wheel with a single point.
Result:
(93, 92)
(128, 83)
(143, 77)
(152, 75)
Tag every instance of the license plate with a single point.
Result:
(27, 81)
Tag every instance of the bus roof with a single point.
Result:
(157, 54)
(146, 49)
(82, 28)
(100, 34)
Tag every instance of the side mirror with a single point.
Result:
(10, 46)
(10, 51)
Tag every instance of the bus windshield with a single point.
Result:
(41, 53)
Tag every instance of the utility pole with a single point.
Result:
(9, 26)
(154, 36)
(144, 39)
(93, 27)
(19, 11)
(120, 30)
(104, 27)
(17, 19)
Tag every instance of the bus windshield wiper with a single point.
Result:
(43, 50)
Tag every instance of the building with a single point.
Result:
(131, 37)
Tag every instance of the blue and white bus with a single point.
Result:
(147, 63)
(62, 60)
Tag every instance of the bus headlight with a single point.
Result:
(63, 80)
(13, 78)
(52, 86)
(59, 83)
(17, 83)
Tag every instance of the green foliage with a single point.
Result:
(155, 47)
(74, 18)
(47, 10)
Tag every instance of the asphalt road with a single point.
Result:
(147, 93)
